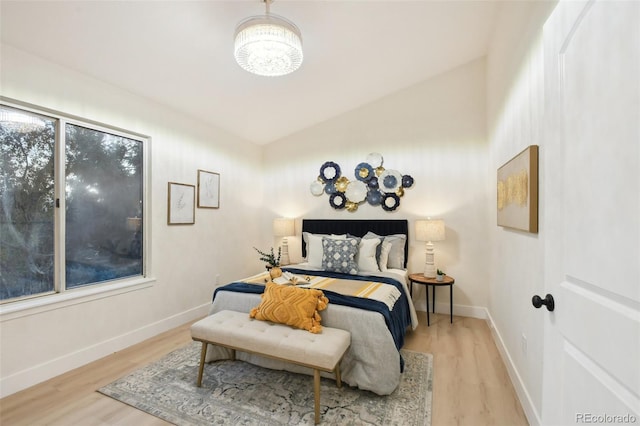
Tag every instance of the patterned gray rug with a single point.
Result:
(239, 393)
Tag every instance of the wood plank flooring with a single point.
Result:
(471, 385)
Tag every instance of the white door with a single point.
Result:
(591, 213)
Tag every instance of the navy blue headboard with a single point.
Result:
(357, 228)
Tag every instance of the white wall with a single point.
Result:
(515, 87)
(185, 259)
(433, 131)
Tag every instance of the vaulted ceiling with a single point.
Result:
(180, 53)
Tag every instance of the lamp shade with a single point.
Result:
(430, 230)
(283, 227)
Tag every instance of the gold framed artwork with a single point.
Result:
(518, 191)
(181, 204)
(208, 190)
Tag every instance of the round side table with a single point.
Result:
(421, 279)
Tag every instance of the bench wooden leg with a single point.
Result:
(316, 391)
(338, 376)
(203, 354)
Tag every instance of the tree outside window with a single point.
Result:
(103, 196)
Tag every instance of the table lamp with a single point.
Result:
(284, 227)
(430, 230)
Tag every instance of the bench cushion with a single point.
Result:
(237, 330)
(293, 306)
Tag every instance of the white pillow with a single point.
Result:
(384, 255)
(314, 247)
(314, 250)
(369, 235)
(367, 255)
(396, 255)
(305, 236)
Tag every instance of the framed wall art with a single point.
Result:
(181, 204)
(518, 191)
(208, 190)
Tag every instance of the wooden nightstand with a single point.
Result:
(420, 279)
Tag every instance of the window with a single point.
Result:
(71, 194)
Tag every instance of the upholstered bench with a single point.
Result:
(236, 331)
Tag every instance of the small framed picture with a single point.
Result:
(208, 190)
(181, 204)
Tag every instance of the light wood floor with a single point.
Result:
(470, 387)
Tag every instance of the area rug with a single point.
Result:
(239, 393)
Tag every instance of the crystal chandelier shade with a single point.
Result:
(268, 45)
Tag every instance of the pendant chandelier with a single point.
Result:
(268, 45)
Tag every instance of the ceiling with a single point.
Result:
(180, 53)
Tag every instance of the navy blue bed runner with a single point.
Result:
(397, 320)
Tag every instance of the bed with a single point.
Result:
(373, 362)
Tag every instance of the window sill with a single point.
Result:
(37, 305)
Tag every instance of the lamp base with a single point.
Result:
(429, 271)
(429, 266)
(284, 256)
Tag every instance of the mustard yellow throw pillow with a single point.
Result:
(294, 306)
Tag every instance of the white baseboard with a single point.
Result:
(45, 371)
(524, 397)
(459, 310)
(462, 310)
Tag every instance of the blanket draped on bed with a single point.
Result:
(368, 289)
(396, 319)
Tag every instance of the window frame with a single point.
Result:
(61, 296)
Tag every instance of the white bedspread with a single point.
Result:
(372, 362)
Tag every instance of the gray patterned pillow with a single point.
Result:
(340, 255)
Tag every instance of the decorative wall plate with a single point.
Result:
(390, 180)
(373, 184)
(356, 191)
(374, 159)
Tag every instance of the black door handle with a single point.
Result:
(547, 301)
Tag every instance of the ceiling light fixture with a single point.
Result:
(268, 45)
